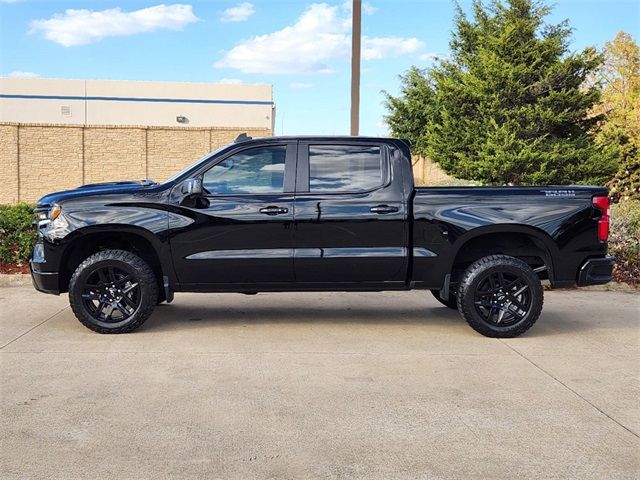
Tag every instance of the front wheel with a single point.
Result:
(113, 291)
(500, 296)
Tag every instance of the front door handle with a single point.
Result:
(382, 209)
(273, 210)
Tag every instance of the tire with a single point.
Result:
(113, 291)
(500, 296)
(452, 302)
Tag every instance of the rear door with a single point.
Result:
(350, 224)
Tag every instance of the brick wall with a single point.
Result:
(114, 154)
(426, 172)
(8, 163)
(38, 159)
(49, 159)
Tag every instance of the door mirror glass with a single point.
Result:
(192, 186)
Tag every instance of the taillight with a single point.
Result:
(602, 204)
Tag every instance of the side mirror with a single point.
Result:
(192, 186)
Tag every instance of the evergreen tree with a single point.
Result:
(509, 106)
(413, 110)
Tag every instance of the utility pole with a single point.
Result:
(355, 67)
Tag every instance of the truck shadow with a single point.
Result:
(174, 316)
(178, 316)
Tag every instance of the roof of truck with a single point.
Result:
(342, 138)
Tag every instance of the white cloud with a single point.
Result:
(367, 8)
(19, 74)
(240, 13)
(377, 48)
(230, 81)
(81, 27)
(300, 85)
(320, 35)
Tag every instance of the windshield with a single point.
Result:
(195, 164)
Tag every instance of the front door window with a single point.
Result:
(257, 171)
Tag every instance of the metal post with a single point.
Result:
(355, 67)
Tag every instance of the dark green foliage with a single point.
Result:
(509, 106)
(17, 235)
(626, 182)
(412, 111)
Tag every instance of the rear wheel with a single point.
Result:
(451, 302)
(113, 291)
(500, 296)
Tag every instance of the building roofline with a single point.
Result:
(173, 82)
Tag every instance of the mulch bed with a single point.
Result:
(14, 268)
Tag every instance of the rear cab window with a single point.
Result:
(344, 168)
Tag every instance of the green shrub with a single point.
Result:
(624, 241)
(17, 235)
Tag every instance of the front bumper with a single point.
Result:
(46, 282)
(596, 271)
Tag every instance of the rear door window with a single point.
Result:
(344, 168)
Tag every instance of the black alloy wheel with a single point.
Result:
(503, 298)
(500, 296)
(111, 294)
(113, 291)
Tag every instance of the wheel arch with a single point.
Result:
(520, 241)
(89, 240)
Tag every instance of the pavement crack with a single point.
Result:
(550, 375)
(33, 328)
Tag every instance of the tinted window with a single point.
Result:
(347, 168)
(256, 170)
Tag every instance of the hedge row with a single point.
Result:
(17, 237)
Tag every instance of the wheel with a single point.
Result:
(451, 302)
(113, 291)
(500, 296)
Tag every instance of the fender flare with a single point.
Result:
(161, 248)
(509, 228)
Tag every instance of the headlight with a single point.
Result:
(51, 214)
(55, 212)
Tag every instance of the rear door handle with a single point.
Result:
(382, 209)
(273, 210)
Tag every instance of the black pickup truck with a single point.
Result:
(316, 214)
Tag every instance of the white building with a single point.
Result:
(115, 102)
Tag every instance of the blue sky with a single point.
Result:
(300, 47)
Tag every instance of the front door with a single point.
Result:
(351, 217)
(240, 230)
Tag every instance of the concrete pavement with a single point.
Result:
(320, 385)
